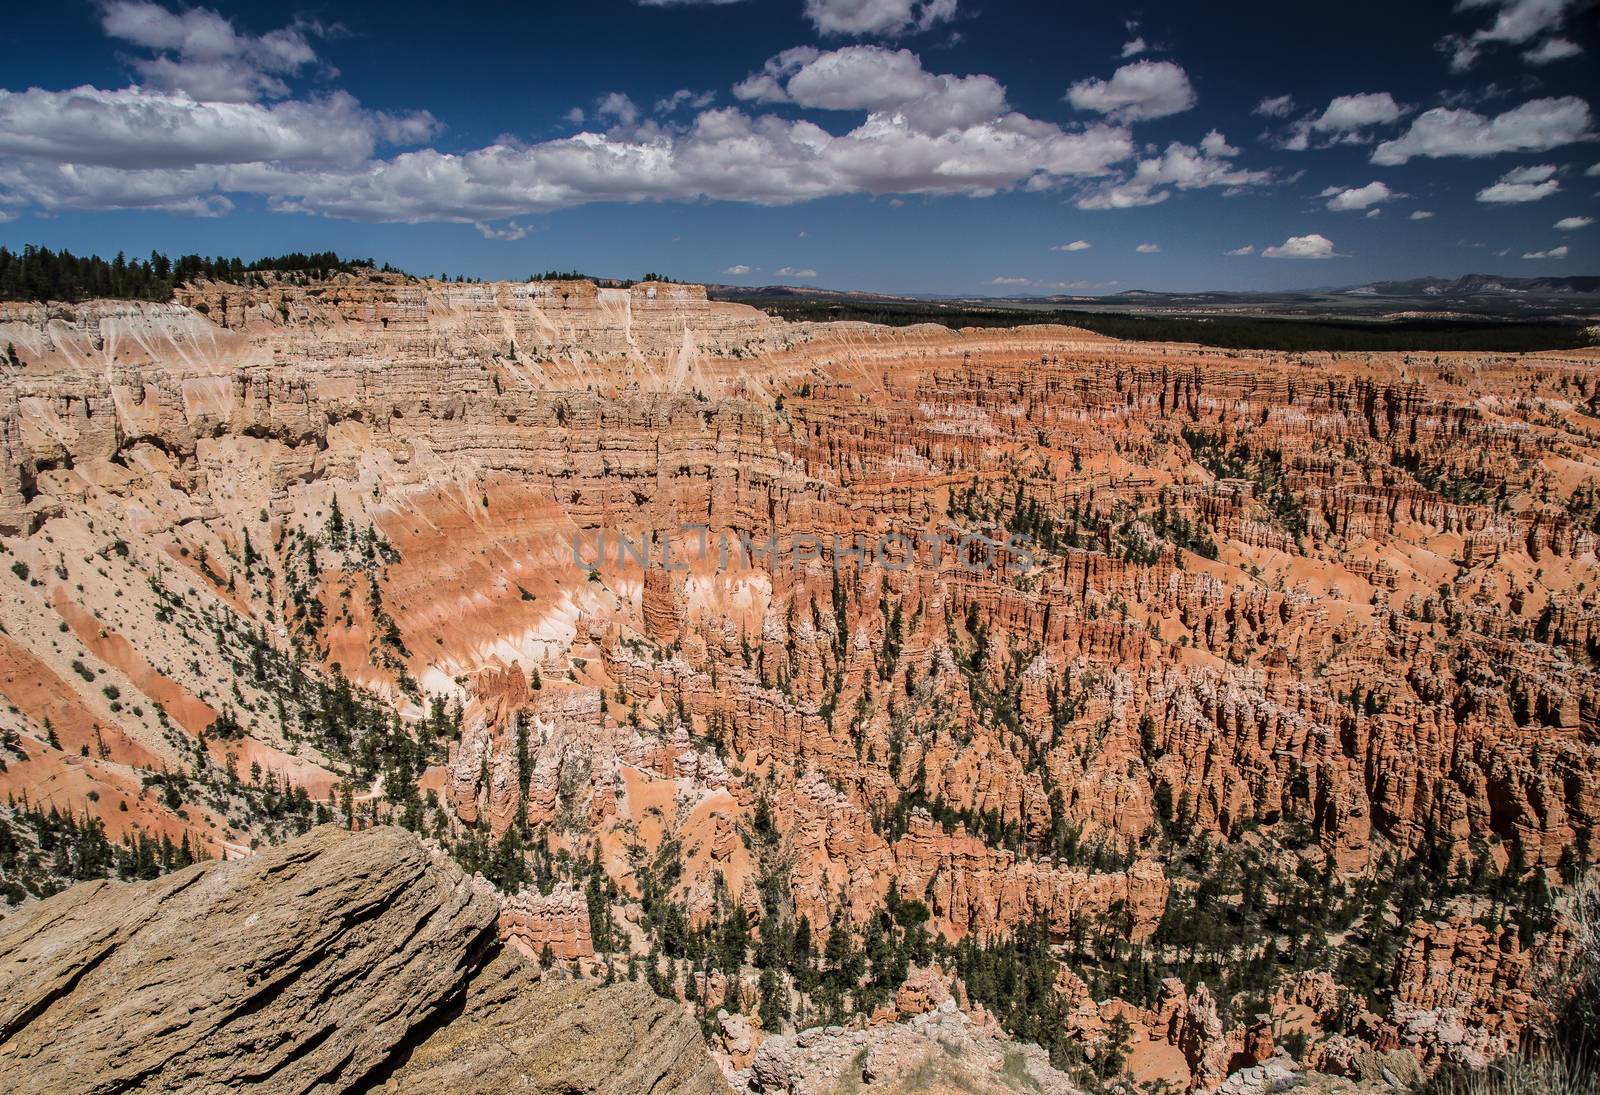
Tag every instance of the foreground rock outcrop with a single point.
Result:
(519, 1034)
(320, 965)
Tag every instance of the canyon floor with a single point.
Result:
(1127, 716)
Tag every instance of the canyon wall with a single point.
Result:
(632, 544)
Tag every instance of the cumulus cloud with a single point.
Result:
(1535, 126)
(1420, 215)
(876, 79)
(1572, 224)
(1553, 253)
(1352, 112)
(204, 122)
(1136, 92)
(51, 187)
(919, 132)
(1247, 249)
(1075, 245)
(878, 18)
(791, 272)
(136, 128)
(1314, 246)
(1525, 184)
(617, 106)
(1003, 280)
(1133, 47)
(737, 270)
(1181, 166)
(201, 53)
(1347, 119)
(1148, 248)
(1514, 23)
(1276, 106)
(1358, 197)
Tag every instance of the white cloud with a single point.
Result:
(511, 231)
(877, 79)
(1247, 249)
(617, 106)
(698, 100)
(1313, 246)
(737, 270)
(1136, 92)
(200, 52)
(1182, 166)
(1535, 126)
(196, 127)
(1358, 197)
(880, 18)
(1349, 113)
(1148, 248)
(1552, 49)
(1553, 253)
(1347, 119)
(1276, 106)
(1134, 46)
(1525, 184)
(791, 272)
(1075, 245)
(1594, 169)
(919, 132)
(766, 86)
(1010, 281)
(1420, 215)
(1572, 224)
(136, 129)
(1516, 23)
(51, 187)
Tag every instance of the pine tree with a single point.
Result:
(773, 1009)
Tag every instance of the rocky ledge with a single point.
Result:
(337, 962)
(940, 1052)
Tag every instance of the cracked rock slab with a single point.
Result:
(302, 969)
(517, 1033)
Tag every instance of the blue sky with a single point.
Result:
(939, 146)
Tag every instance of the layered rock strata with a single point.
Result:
(319, 965)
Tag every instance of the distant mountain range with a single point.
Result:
(1471, 296)
(1479, 285)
